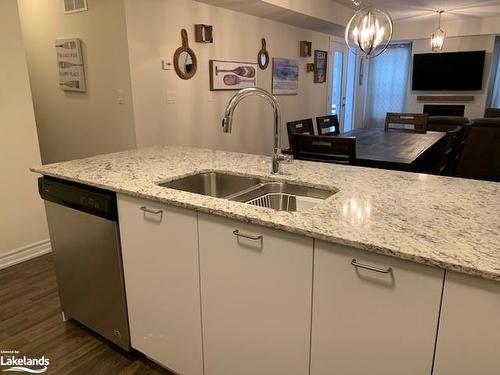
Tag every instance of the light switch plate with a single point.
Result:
(167, 64)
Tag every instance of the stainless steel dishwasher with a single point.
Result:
(83, 226)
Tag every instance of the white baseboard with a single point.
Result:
(22, 254)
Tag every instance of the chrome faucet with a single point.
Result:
(227, 122)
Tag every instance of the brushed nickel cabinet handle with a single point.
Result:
(371, 268)
(237, 233)
(150, 211)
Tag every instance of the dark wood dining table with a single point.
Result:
(395, 149)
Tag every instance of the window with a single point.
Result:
(494, 101)
(388, 76)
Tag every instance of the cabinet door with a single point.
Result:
(256, 299)
(469, 329)
(372, 321)
(160, 258)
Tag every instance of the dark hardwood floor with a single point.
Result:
(31, 323)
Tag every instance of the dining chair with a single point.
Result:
(446, 155)
(341, 150)
(480, 158)
(445, 123)
(413, 122)
(299, 127)
(328, 125)
(492, 113)
(458, 147)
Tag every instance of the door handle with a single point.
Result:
(370, 268)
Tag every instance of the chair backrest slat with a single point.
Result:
(328, 125)
(324, 148)
(445, 123)
(492, 113)
(299, 127)
(416, 122)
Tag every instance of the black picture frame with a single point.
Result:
(320, 66)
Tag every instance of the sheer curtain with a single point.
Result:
(495, 93)
(387, 86)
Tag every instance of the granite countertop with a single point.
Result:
(446, 222)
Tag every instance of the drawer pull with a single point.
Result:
(371, 268)
(150, 211)
(237, 233)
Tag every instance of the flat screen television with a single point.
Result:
(450, 71)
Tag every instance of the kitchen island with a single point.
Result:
(295, 301)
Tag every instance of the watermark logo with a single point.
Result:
(16, 363)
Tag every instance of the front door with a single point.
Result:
(341, 92)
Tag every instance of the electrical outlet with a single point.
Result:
(119, 96)
(171, 97)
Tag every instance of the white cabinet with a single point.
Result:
(256, 299)
(372, 321)
(161, 267)
(469, 330)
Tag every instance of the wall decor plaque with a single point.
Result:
(305, 48)
(320, 66)
(203, 33)
(70, 65)
(232, 75)
(285, 76)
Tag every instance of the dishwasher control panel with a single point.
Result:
(78, 196)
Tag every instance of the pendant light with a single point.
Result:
(369, 32)
(437, 37)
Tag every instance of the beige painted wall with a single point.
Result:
(76, 125)
(473, 109)
(195, 118)
(22, 217)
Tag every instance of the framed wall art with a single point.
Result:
(232, 75)
(70, 65)
(320, 66)
(305, 48)
(285, 76)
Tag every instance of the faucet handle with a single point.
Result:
(283, 158)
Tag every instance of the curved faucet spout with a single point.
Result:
(227, 121)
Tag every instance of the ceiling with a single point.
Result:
(424, 10)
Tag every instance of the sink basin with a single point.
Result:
(281, 196)
(284, 196)
(215, 184)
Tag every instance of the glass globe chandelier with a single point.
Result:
(369, 32)
(437, 37)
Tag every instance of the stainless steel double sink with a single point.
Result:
(281, 196)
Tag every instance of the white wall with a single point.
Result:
(469, 26)
(325, 16)
(320, 9)
(22, 217)
(195, 119)
(73, 125)
(473, 109)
